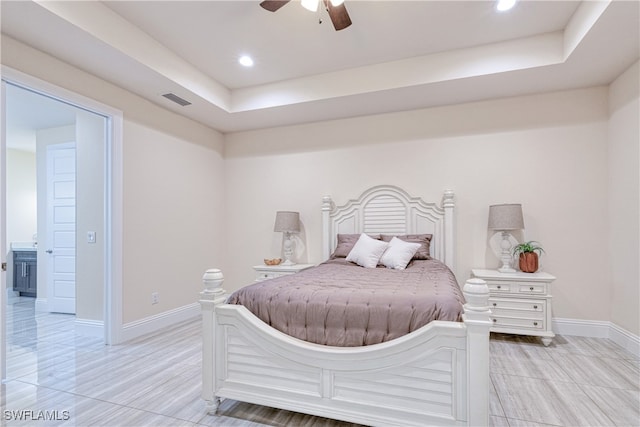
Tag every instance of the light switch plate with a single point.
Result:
(91, 236)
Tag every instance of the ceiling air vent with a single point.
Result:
(175, 98)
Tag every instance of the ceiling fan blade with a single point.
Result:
(273, 5)
(338, 14)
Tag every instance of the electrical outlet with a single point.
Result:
(154, 298)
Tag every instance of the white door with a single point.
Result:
(61, 228)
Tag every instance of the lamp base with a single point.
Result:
(288, 250)
(506, 254)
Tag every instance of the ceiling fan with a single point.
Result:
(336, 9)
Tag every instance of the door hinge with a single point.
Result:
(4, 266)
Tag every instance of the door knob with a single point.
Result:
(49, 251)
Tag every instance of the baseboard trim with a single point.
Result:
(12, 295)
(625, 339)
(159, 321)
(41, 305)
(581, 328)
(598, 329)
(89, 328)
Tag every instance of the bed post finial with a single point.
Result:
(210, 297)
(212, 280)
(327, 206)
(477, 319)
(447, 199)
(449, 204)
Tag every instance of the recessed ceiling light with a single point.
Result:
(311, 5)
(245, 61)
(504, 5)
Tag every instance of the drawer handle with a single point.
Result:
(535, 323)
(535, 307)
(495, 304)
(499, 287)
(494, 320)
(531, 288)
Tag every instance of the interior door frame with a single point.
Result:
(113, 193)
(3, 233)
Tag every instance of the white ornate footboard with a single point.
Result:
(437, 375)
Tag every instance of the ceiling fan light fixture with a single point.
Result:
(504, 5)
(311, 5)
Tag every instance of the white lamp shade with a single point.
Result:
(506, 217)
(287, 222)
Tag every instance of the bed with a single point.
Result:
(437, 374)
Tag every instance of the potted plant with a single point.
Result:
(528, 253)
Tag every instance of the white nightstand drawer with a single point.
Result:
(517, 314)
(264, 272)
(522, 305)
(516, 322)
(262, 275)
(518, 287)
(499, 287)
(532, 288)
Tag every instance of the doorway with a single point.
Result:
(100, 226)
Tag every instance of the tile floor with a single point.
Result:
(155, 380)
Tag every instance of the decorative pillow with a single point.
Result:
(399, 253)
(367, 251)
(346, 242)
(424, 240)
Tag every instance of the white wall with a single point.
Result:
(174, 223)
(545, 151)
(21, 196)
(21, 210)
(624, 194)
(90, 197)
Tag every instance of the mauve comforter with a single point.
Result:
(340, 304)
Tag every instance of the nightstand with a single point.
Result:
(264, 272)
(520, 303)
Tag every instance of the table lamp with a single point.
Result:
(505, 218)
(287, 223)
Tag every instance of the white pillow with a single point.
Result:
(399, 253)
(367, 251)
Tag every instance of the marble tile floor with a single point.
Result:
(155, 380)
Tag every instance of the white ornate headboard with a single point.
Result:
(385, 209)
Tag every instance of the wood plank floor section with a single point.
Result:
(61, 379)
